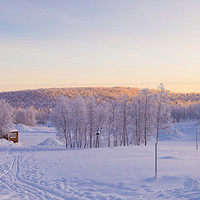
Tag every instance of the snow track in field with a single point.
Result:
(95, 174)
(21, 189)
(20, 181)
(5, 171)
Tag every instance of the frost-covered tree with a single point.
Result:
(148, 107)
(61, 118)
(31, 116)
(112, 128)
(79, 121)
(91, 118)
(20, 116)
(102, 122)
(42, 117)
(6, 113)
(136, 113)
(162, 114)
(142, 113)
(25, 116)
(124, 120)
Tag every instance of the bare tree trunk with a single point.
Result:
(127, 138)
(91, 125)
(109, 136)
(145, 135)
(124, 125)
(145, 118)
(70, 140)
(66, 145)
(136, 130)
(85, 137)
(65, 135)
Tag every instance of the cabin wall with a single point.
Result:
(11, 136)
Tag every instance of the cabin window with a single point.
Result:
(12, 135)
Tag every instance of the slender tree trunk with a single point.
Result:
(124, 127)
(145, 136)
(145, 122)
(136, 130)
(85, 137)
(65, 135)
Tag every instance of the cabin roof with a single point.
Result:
(13, 130)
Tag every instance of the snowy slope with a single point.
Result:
(181, 132)
(35, 172)
(34, 135)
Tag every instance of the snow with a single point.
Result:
(21, 128)
(49, 142)
(4, 142)
(181, 132)
(32, 171)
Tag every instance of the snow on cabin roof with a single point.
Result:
(13, 130)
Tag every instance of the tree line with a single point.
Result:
(123, 120)
(87, 123)
(185, 112)
(45, 99)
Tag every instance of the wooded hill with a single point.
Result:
(46, 98)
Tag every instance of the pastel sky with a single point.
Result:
(66, 43)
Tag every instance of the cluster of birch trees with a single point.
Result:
(10, 116)
(25, 116)
(86, 123)
(186, 112)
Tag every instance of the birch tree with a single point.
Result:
(31, 116)
(113, 122)
(123, 109)
(136, 114)
(102, 122)
(91, 118)
(162, 114)
(6, 113)
(79, 121)
(148, 113)
(61, 119)
(25, 116)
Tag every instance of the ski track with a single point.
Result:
(6, 171)
(22, 189)
(20, 179)
(18, 185)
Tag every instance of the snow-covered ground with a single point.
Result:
(39, 167)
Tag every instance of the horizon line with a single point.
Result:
(116, 86)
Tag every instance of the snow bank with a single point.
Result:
(181, 132)
(191, 182)
(22, 128)
(4, 142)
(49, 142)
(29, 129)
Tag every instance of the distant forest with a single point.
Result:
(45, 99)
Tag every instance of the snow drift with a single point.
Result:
(4, 142)
(49, 142)
(22, 128)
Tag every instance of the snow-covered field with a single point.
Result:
(39, 167)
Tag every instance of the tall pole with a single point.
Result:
(156, 159)
(196, 138)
